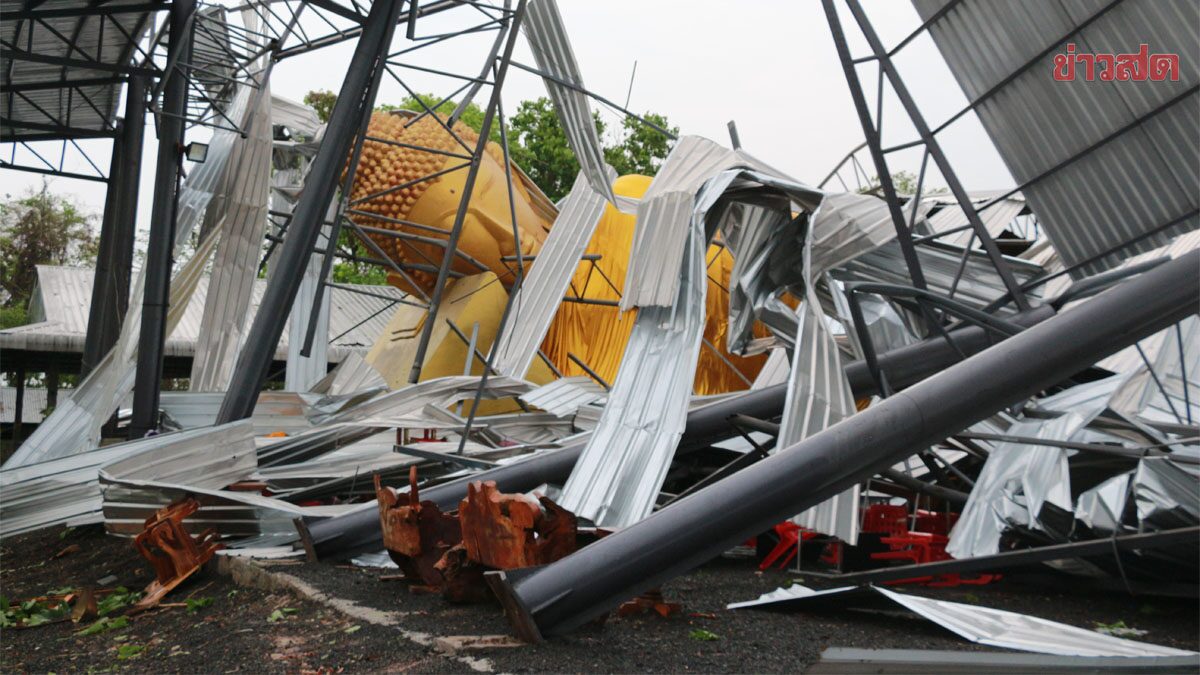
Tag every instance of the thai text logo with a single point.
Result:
(1137, 67)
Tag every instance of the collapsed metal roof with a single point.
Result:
(1110, 167)
(66, 61)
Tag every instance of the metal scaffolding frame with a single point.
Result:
(927, 137)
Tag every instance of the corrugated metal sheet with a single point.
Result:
(402, 407)
(241, 209)
(663, 218)
(564, 396)
(984, 625)
(275, 411)
(552, 50)
(996, 218)
(542, 291)
(1039, 474)
(979, 286)
(1125, 193)
(71, 289)
(86, 108)
(618, 475)
(67, 490)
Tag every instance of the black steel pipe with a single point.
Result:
(254, 362)
(114, 260)
(159, 250)
(358, 532)
(566, 594)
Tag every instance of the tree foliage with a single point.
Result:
(322, 101)
(39, 228)
(538, 145)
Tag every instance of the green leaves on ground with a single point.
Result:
(125, 652)
(279, 614)
(703, 635)
(105, 624)
(352, 629)
(32, 613)
(120, 598)
(196, 604)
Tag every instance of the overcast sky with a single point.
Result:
(769, 65)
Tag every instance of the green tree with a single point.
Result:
(39, 228)
(322, 101)
(642, 148)
(541, 148)
(538, 144)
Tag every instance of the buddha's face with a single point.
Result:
(397, 176)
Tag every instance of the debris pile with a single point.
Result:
(589, 399)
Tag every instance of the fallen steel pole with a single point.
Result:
(358, 532)
(566, 594)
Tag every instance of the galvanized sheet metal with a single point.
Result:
(542, 291)
(983, 625)
(241, 205)
(552, 50)
(1125, 193)
(564, 396)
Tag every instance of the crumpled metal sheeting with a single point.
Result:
(774, 371)
(619, 473)
(982, 625)
(552, 50)
(849, 224)
(755, 234)
(979, 286)
(54, 492)
(1102, 508)
(1166, 494)
(275, 411)
(542, 291)
(564, 396)
(818, 396)
(664, 215)
(996, 218)
(74, 426)
(129, 502)
(212, 457)
(1141, 396)
(242, 206)
(774, 251)
(399, 408)
(67, 490)
(1018, 480)
(350, 376)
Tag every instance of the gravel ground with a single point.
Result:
(233, 634)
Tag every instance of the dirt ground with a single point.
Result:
(234, 633)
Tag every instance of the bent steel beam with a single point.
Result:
(566, 594)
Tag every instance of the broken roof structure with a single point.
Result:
(617, 388)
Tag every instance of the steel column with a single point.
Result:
(114, 261)
(159, 250)
(352, 103)
(566, 594)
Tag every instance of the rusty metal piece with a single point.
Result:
(650, 601)
(173, 553)
(462, 578)
(415, 533)
(508, 531)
